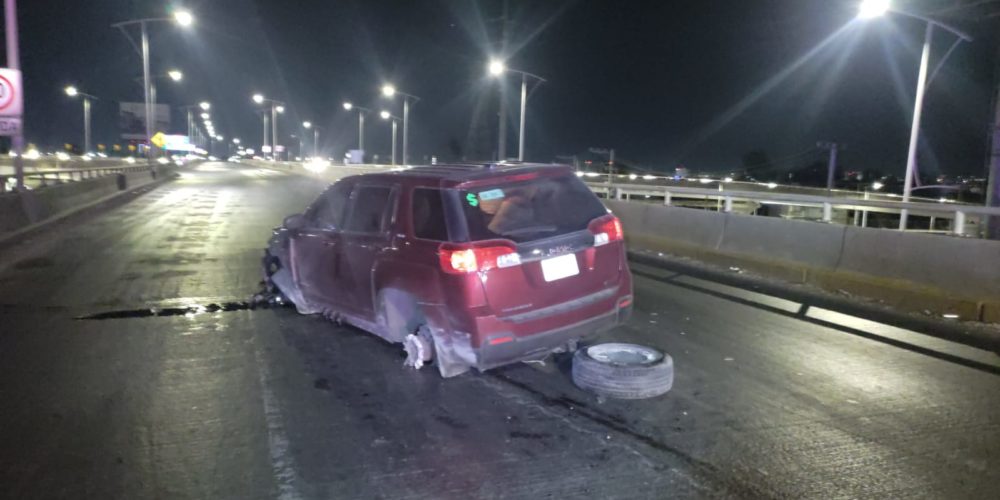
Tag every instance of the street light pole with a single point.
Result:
(497, 68)
(274, 131)
(394, 139)
(147, 91)
(14, 62)
(266, 131)
(86, 124)
(524, 103)
(361, 130)
(918, 107)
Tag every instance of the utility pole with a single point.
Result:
(993, 160)
(832, 167)
(14, 62)
(502, 113)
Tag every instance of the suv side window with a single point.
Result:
(428, 215)
(328, 213)
(368, 209)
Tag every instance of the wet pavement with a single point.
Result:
(130, 367)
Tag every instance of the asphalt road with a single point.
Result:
(770, 399)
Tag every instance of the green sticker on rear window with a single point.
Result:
(471, 198)
(493, 194)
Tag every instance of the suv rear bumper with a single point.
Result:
(516, 349)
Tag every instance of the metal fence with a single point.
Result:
(41, 178)
(962, 219)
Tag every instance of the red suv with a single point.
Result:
(466, 265)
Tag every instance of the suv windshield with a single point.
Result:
(529, 210)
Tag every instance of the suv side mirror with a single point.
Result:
(295, 221)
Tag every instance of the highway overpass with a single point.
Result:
(773, 397)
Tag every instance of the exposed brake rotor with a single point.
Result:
(419, 349)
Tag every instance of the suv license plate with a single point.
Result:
(560, 267)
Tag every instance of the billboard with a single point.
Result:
(132, 119)
(178, 143)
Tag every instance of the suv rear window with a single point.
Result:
(529, 210)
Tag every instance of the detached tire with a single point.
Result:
(623, 371)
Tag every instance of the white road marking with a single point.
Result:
(282, 462)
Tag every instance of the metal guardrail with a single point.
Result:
(43, 178)
(958, 214)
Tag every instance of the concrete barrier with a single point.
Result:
(20, 211)
(908, 271)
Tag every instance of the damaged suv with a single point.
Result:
(465, 265)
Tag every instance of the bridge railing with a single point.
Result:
(852, 211)
(42, 178)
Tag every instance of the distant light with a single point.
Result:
(633, 177)
(258, 98)
(72, 91)
(206, 116)
(32, 154)
(771, 185)
(950, 316)
(877, 185)
(175, 75)
(236, 140)
(385, 115)
(870, 9)
(87, 157)
(348, 106)
(280, 109)
(307, 124)
(388, 90)
(727, 179)
(220, 138)
(130, 160)
(208, 123)
(497, 67)
(184, 18)
(62, 156)
(205, 105)
(163, 161)
(943, 200)
(705, 180)
(648, 177)
(579, 174)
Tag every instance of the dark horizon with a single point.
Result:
(662, 85)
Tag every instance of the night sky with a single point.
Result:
(665, 83)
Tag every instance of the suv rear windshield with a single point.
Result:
(529, 210)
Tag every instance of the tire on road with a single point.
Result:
(623, 371)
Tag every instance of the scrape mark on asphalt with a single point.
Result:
(703, 470)
(282, 463)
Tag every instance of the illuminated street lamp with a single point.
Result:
(395, 119)
(361, 123)
(175, 75)
(497, 69)
(315, 129)
(74, 92)
(182, 18)
(276, 107)
(870, 9)
(205, 105)
(390, 91)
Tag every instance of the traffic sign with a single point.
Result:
(11, 96)
(158, 139)
(9, 125)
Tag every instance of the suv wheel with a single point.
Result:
(625, 371)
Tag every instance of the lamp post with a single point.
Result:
(395, 119)
(74, 92)
(871, 9)
(276, 108)
(497, 68)
(389, 90)
(190, 109)
(361, 124)
(181, 17)
(315, 129)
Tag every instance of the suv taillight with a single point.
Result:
(606, 229)
(460, 259)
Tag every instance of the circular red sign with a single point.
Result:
(6, 98)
